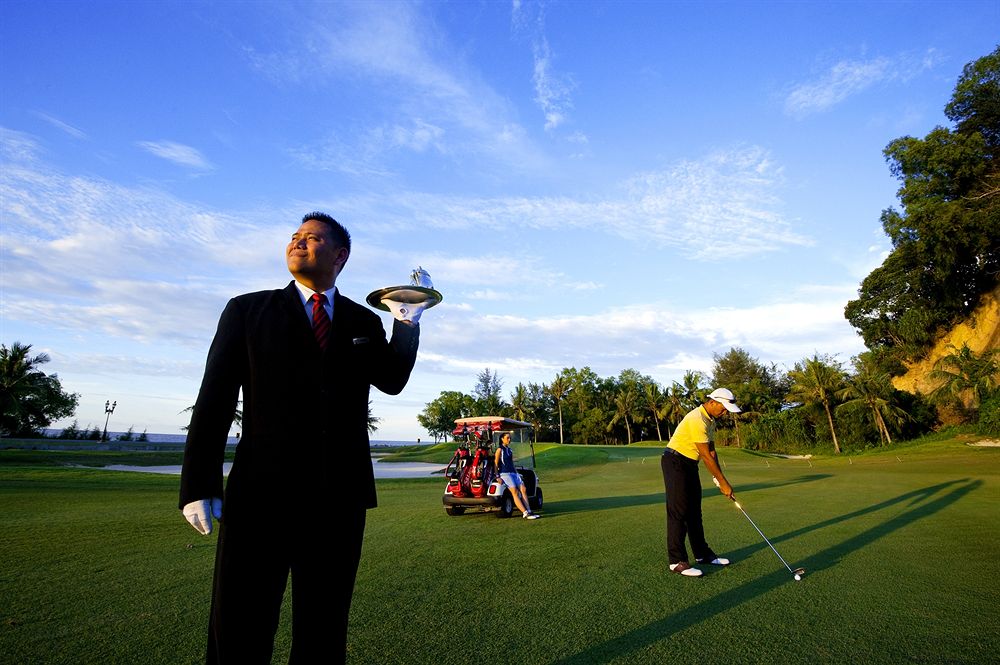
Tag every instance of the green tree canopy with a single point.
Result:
(439, 415)
(757, 388)
(488, 396)
(557, 390)
(815, 382)
(29, 399)
(871, 388)
(946, 239)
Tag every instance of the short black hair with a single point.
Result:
(337, 230)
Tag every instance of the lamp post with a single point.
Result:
(109, 408)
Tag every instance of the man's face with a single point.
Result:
(313, 256)
(715, 409)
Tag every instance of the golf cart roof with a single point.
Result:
(494, 423)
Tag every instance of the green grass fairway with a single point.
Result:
(900, 548)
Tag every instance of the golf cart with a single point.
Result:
(473, 481)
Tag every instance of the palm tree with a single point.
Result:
(373, 420)
(537, 407)
(19, 380)
(816, 381)
(519, 402)
(29, 399)
(872, 389)
(238, 416)
(655, 400)
(754, 399)
(692, 391)
(966, 377)
(627, 409)
(673, 409)
(557, 390)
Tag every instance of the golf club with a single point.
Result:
(798, 572)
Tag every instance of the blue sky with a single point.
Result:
(614, 185)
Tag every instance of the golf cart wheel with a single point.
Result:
(536, 502)
(506, 505)
(454, 510)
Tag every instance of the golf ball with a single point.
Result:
(798, 578)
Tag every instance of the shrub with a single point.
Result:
(71, 432)
(989, 416)
(787, 431)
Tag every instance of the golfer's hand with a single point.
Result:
(404, 311)
(724, 487)
(199, 514)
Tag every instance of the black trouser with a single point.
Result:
(683, 494)
(252, 564)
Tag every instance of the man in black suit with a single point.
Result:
(305, 358)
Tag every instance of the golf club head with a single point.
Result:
(798, 573)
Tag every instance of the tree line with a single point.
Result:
(818, 402)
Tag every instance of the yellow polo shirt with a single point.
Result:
(696, 427)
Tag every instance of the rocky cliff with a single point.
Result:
(981, 332)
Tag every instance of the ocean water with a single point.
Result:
(181, 438)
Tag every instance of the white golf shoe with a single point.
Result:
(684, 568)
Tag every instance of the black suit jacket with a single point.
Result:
(305, 411)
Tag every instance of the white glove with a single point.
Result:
(404, 311)
(199, 514)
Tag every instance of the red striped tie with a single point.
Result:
(321, 322)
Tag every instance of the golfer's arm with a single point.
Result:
(711, 461)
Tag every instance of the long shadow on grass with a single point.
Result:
(553, 508)
(923, 506)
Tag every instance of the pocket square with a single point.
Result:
(360, 340)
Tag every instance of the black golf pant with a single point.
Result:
(252, 565)
(683, 494)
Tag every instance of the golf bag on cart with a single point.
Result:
(481, 469)
(458, 471)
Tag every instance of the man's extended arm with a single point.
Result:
(707, 452)
(201, 475)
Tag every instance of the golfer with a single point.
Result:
(693, 440)
(504, 461)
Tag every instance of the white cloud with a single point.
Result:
(552, 89)
(62, 126)
(652, 337)
(849, 77)
(433, 100)
(732, 193)
(18, 147)
(552, 92)
(178, 153)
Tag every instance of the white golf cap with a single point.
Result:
(725, 398)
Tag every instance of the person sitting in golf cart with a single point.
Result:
(508, 474)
